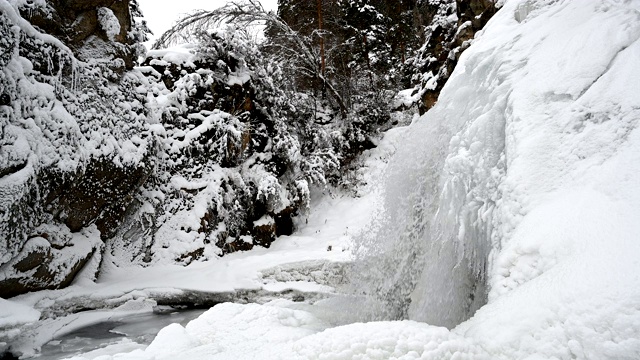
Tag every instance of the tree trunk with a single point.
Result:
(322, 59)
(366, 54)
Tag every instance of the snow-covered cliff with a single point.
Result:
(74, 139)
(522, 182)
(185, 159)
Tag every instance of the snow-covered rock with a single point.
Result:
(74, 143)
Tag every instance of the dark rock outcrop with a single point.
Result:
(100, 195)
(446, 40)
(227, 97)
(48, 261)
(81, 25)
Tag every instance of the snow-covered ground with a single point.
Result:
(537, 138)
(128, 290)
(294, 263)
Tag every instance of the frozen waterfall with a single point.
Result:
(526, 115)
(431, 242)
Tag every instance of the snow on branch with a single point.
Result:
(299, 52)
(8, 10)
(245, 12)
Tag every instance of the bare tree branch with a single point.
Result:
(301, 56)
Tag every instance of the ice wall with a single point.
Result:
(430, 240)
(538, 106)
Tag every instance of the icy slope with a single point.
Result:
(535, 112)
(563, 280)
(545, 172)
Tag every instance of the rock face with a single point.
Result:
(93, 28)
(100, 195)
(49, 261)
(171, 162)
(447, 37)
(74, 148)
(229, 160)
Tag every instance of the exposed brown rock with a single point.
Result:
(41, 266)
(190, 256)
(84, 26)
(445, 44)
(101, 195)
(264, 234)
(75, 22)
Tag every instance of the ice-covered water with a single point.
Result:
(119, 334)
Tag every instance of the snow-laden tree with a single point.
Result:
(290, 49)
(232, 169)
(336, 104)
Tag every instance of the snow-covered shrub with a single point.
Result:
(229, 155)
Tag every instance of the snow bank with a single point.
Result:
(12, 314)
(279, 331)
(230, 331)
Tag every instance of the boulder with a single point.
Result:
(264, 231)
(49, 260)
(78, 23)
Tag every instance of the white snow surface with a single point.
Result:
(14, 313)
(306, 263)
(281, 330)
(109, 22)
(538, 129)
(564, 272)
(181, 55)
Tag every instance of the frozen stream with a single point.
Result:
(120, 333)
